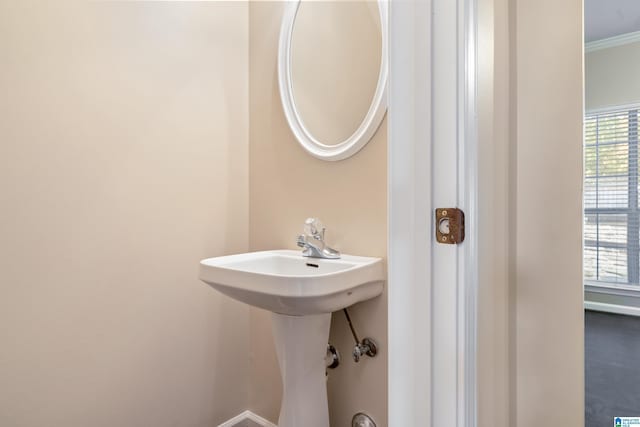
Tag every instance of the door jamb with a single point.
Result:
(410, 213)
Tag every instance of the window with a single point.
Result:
(611, 213)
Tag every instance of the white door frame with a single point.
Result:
(432, 163)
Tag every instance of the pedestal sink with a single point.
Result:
(301, 293)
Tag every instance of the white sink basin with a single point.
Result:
(301, 293)
(285, 282)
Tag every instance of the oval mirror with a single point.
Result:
(332, 72)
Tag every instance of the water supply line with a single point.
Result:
(366, 347)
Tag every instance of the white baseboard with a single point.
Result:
(612, 308)
(247, 416)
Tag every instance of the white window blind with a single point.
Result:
(611, 214)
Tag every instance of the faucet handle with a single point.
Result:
(314, 227)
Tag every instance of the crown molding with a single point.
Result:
(620, 40)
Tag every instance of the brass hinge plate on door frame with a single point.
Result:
(449, 226)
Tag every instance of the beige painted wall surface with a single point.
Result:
(323, 89)
(493, 352)
(287, 185)
(123, 162)
(612, 76)
(547, 106)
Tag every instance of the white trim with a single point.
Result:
(247, 416)
(259, 420)
(235, 420)
(409, 214)
(620, 40)
(411, 250)
(612, 308)
(371, 121)
(612, 289)
(468, 200)
(613, 109)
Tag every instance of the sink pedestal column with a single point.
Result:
(301, 344)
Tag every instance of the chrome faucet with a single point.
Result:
(312, 241)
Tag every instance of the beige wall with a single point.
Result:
(494, 318)
(331, 105)
(530, 344)
(611, 80)
(123, 161)
(287, 185)
(546, 183)
(611, 76)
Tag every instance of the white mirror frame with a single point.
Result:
(371, 121)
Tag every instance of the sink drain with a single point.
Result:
(362, 420)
